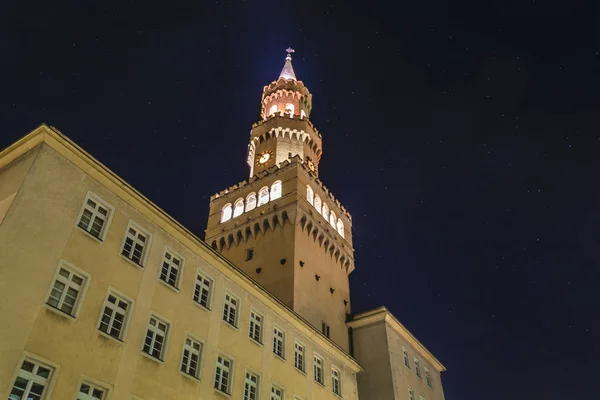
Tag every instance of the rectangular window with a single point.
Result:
(325, 329)
(171, 268)
(421, 398)
(279, 342)
(318, 367)
(32, 381)
(276, 393)
(417, 368)
(427, 377)
(222, 374)
(406, 360)
(190, 360)
(67, 289)
(135, 245)
(256, 321)
(411, 394)
(251, 386)
(249, 254)
(114, 316)
(335, 382)
(203, 290)
(299, 356)
(230, 309)
(156, 338)
(89, 391)
(94, 217)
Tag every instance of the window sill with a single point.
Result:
(190, 377)
(339, 396)
(299, 370)
(319, 383)
(173, 288)
(235, 328)
(256, 342)
(201, 306)
(140, 266)
(221, 393)
(279, 357)
(58, 311)
(107, 336)
(152, 358)
(94, 238)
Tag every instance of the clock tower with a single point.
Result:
(282, 226)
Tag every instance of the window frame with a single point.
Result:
(209, 297)
(230, 371)
(248, 206)
(35, 359)
(316, 356)
(428, 377)
(238, 205)
(133, 225)
(125, 326)
(303, 355)
(276, 190)
(238, 309)
(94, 383)
(99, 200)
(406, 357)
(193, 338)
(339, 381)
(277, 387)
(63, 264)
(165, 345)
(411, 394)
(417, 367)
(283, 341)
(261, 325)
(174, 254)
(257, 385)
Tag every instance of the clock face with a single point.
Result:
(264, 158)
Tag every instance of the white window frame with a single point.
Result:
(320, 366)
(125, 325)
(93, 384)
(337, 378)
(146, 248)
(248, 384)
(276, 190)
(229, 370)
(428, 377)
(238, 208)
(228, 306)
(170, 267)
(202, 285)
(107, 220)
(310, 195)
(417, 368)
(275, 396)
(32, 378)
(252, 326)
(226, 215)
(300, 352)
(192, 350)
(317, 203)
(411, 394)
(249, 206)
(276, 340)
(262, 200)
(62, 264)
(406, 358)
(156, 331)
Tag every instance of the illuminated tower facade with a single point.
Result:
(282, 226)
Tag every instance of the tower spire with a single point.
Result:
(288, 71)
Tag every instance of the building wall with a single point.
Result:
(40, 230)
(371, 348)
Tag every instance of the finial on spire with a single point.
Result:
(288, 71)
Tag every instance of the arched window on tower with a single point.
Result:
(226, 213)
(325, 212)
(302, 114)
(263, 196)
(289, 109)
(332, 220)
(317, 203)
(276, 190)
(251, 202)
(238, 207)
(310, 195)
(340, 227)
(273, 109)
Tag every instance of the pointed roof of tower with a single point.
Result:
(288, 71)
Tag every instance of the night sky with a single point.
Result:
(463, 137)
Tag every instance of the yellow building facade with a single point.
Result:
(105, 296)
